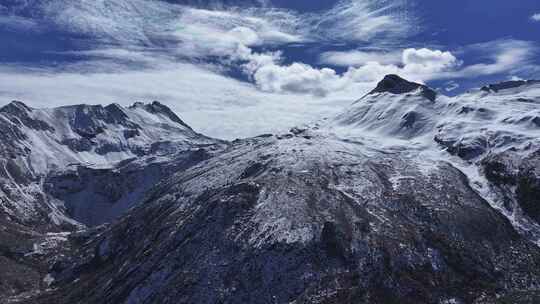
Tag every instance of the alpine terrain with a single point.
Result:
(407, 196)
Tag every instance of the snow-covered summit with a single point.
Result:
(84, 146)
(492, 134)
(401, 109)
(396, 108)
(53, 138)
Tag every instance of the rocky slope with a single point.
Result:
(407, 197)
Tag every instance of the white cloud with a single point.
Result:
(422, 60)
(211, 103)
(112, 21)
(422, 65)
(358, 58)
(501, 56)
(515, 78)
(142, 42)
(297, 78)
(426, 64)
(202, 33)
(536, 17)
(366, 20)
(417, 64)
(426, 57)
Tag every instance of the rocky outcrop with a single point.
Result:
(518, 178)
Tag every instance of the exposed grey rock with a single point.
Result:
(397, 85)
(518, 179)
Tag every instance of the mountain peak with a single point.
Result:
(157, 107)
(15, 104)
(396, 85)
(508, 85)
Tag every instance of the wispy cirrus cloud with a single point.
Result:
(366, 20)
(499, 56)
(130, 30)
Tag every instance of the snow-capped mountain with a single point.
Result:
(67, 168)
(493, 132)
(408, 196)
(39, 144)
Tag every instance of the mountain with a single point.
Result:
(38, 144)
(67, 168)
(492, 135)
(408, 196)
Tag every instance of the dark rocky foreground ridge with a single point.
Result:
(401, 199)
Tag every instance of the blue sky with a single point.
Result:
(240, 68)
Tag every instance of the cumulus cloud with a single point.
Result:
(434, 59)
(417, 64)
(536, 17)
(426, 64)
(422, 65)
(297, 78)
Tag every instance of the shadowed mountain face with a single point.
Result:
(400, 199)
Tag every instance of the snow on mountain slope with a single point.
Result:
(39, 142)
(310, 216)
(488, 132)
(408, 196)
(396, 108)
(69, 168)
(92, 135)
